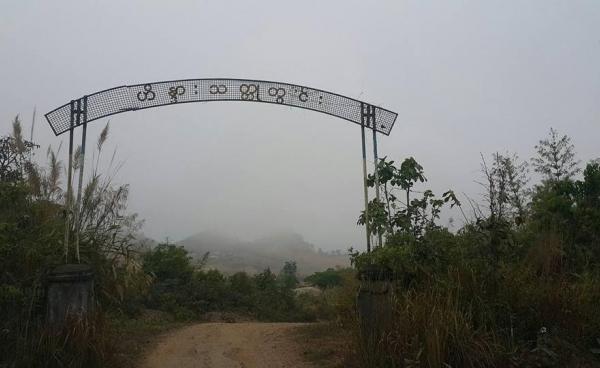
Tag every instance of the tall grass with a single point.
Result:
(78, 343)
(520, 316)
(437, 325)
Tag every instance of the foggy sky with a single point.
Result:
(466, 77)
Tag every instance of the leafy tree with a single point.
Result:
(505, 187)
(326, 279)
(403, 221)
(588, 210)
(555, 158)
(242, 290)
(571, 210)
(387, 172)
(15, 153)
(168, 261)
(409, 174)
(288, 275)
(589, 189)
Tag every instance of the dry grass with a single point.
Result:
(133, 337)
(324, 344)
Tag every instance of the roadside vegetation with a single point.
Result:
(140, 292)
(516, 286)
(184, 289)
(32, 226)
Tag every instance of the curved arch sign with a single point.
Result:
(146, 95)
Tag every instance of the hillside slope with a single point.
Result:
(230, 255)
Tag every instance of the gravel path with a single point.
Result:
(231, 345)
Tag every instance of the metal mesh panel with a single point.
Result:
(142, 96)
(109, 102)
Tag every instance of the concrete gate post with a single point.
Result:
(374, 303)
(70, 294)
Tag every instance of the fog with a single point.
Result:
(465, 78)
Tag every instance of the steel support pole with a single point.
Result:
(364, 158)
(69, 185)
(80, 184)
(375, 156)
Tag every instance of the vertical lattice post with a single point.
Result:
(83, 113)
(69, 186)
(364, 122)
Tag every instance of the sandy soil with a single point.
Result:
(231, 345)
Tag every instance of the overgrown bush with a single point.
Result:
(32, 233)
(188, 290)
(329, 278)
(518, 285)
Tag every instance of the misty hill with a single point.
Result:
(231, 255)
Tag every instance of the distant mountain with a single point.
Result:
(231, 255)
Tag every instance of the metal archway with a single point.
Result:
(146, 95)
(135, 97)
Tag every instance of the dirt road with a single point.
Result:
(230, 345)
